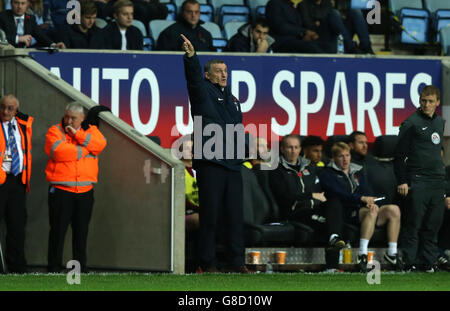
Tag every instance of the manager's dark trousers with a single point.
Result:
(220, 193)
(424, 213)
(13, 210)
(68, 208)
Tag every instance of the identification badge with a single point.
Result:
(7, 158)
(435, 138)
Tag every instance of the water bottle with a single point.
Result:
(269, 269)
(340, 44)
(348, 253)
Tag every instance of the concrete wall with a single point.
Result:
(138, 217)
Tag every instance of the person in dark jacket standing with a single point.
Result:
(345, 185)
(121, 35)
(420, 173)
(218, 169)
(189, 24)
(252, 37)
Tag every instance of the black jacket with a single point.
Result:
(418, 152)
(311, 12)
(293, 188)
(242, 41)
(347, 188)
(113, 39)
(217, 107)
(170, 39)
(74, 38)
(8, 24)
(284, 20)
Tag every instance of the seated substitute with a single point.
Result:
(346, 182)
(298, 192)
(312, 149)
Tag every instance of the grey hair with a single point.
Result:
(75, 107)
(209, 64)
(11, 96)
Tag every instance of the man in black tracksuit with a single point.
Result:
(214, 109)
(420, 176)
(298, 193)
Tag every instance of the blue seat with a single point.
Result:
(156, 26)
(206, 12)
(231, 28)
(442, 19)
(179, 3)
(396, 5)
(213, 29)
(149, 44)
(100, 22)
(445, 40)
(172, 11)
(217, 4)
(254, 5)
(219, 44)
(260, 11)
(233, 13)
(415, 23)
(359, 4)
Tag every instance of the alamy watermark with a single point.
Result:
(374, 274)
(74, 275)
(74, 15)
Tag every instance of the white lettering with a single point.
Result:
(307, 77)
(415, 83)
(391, 102)
(340, 86)
(284, 103)
(246, 77)
(115, 75)
(369, 106)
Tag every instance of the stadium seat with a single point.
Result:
(384, 147)
(172, 11)
(415, 23)
(254, 5)
(260, 12)
(231, 28)
(445, 40)
(206, 13)
(140, 25)
(100, 22)
(233, 13)
(213, 29)
(359, 4)
(440, 14)
(434, 5)
(219, 44)
(261, 227)
(216, 4)
(396, 5)
(156, 26)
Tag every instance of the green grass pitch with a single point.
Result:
(389, 281)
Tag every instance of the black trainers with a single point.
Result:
(395, 260)
(410, 268)
(362, 263)
(336, 243)
(443, 263)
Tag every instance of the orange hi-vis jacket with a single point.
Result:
(73, 162)
(24, 123)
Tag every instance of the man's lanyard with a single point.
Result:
(6, 137)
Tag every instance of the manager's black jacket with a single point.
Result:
(8, 24)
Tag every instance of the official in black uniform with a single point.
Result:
(219, 179)
(420, 176)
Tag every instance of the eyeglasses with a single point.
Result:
(8, 108)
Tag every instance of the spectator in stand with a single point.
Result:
(121, 35)
(319, 16)
(58, 12)
(312, 150)
(252, 37)
(347, 188)
(85, 35)
(36, 8)
(290, 32)
(188, 24)
(21, 28)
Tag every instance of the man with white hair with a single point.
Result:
(72, 170)
(15, 172)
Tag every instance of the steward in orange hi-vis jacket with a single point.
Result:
(72, 170)
(15, 172)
